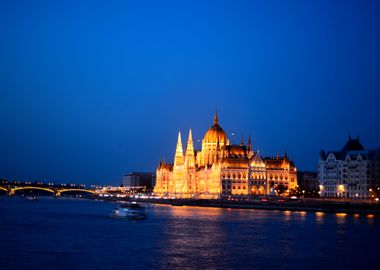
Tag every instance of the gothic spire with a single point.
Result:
(179, 149)
(178, 159)
(189, 156)
(190, 145)
(242, 141)
(249, 143)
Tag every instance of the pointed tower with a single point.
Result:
(189, 156)
(249, 149)
(178, 168)
(242, 141)
(216, 120)
(178, 159)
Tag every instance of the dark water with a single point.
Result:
(79, 234)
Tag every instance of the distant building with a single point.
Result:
(352, 172)
(308, 181)
(140, 179)
(221, 168)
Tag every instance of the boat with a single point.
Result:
(31, 198)
(130, 211)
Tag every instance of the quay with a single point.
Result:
(347, 207)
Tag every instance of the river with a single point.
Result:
(69, 233)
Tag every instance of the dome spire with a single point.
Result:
(216, 120)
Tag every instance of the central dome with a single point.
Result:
(215, 133)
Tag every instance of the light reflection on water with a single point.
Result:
(190, 237)
(64, 232)
(341, 218)
(319, 217)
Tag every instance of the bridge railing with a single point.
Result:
(55, 191)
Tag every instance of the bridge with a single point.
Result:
(55, 191)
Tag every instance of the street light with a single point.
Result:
(340, 190)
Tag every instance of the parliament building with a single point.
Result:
(221, 168)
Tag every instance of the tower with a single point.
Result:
(178, 168)
(178, 158)
(189, 156)
(189, 177)
(249, 149)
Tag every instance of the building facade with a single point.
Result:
(349, 173)
(308, 183)
(221, 168)
(143, 180)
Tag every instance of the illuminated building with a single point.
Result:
(221, 168)
(352, 172)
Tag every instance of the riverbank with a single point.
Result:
(301, 205)
(306, 205)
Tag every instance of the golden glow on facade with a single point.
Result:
(220, 168)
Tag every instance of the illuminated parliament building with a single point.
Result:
(221, 168)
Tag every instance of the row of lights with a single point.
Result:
(341, 190)
(341, 187)
(41, 183)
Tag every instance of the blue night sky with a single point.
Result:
(90, 90)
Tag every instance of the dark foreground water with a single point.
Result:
(79, 234)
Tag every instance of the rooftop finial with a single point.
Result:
(249, 143)
(216, 117)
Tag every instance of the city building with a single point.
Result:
(221, 168)
(281, 173)
(352, 172)
(308, 183)
(143, 180)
